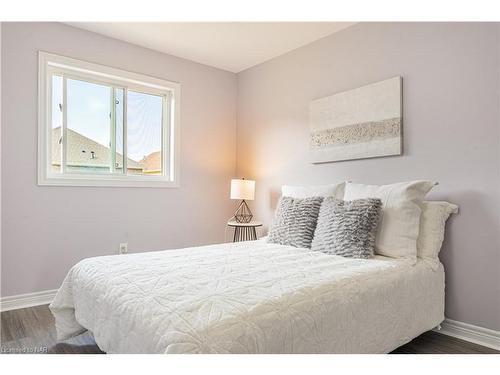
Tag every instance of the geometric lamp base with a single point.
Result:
(243, 213)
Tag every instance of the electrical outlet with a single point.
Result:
(123, 248)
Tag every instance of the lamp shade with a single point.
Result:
(242, 189)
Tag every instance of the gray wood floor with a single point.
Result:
(32, 330)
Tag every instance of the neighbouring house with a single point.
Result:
(87, 155)
(151, 163)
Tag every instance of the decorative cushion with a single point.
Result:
(347, 228)
(432, 225)
(294, 221)
(399, 226)
(332, 190)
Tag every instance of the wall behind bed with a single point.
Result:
(451, 134)
(48, 229)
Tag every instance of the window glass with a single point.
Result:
(144, 133)
(88, 148)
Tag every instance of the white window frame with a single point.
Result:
(50, 64)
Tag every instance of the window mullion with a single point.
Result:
(125, 152)
(113, 130)
(64, 128)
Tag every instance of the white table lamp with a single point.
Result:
(244, 190)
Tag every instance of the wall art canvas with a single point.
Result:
(361, 123)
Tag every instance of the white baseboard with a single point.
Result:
(27, 300)
(468, 332)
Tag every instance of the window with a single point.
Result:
(100, 126)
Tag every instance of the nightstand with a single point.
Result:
(244, 231)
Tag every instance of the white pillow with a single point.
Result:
(399, 226)
(332, 190)
(432, 224)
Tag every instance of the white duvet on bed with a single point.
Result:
(248, 297)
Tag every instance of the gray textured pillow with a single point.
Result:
(294, 221)
(347, 228)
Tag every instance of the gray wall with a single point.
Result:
(451, 134)
(48, 229)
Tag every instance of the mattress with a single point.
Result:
(248, 297)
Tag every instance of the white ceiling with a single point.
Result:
(233, 46)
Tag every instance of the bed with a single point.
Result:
(248, 297)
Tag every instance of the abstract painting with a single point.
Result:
(361, 123)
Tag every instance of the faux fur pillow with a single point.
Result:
(399, 226)
(347, 228)
(294, 221)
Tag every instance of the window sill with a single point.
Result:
(106, 182)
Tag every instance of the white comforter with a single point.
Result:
(248, 297)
